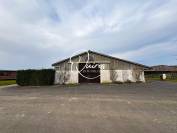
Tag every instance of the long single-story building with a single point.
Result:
(159, 70)
(94, 67)
(7, 74)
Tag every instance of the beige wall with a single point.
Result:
(66, 77)
(115, 70)
(127, 76)
(106, 76)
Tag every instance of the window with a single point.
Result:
(57, 68)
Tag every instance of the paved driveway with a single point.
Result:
(90, 108)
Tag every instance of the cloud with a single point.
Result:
(36, 33)
(163, 53)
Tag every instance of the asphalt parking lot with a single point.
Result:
(90, 108)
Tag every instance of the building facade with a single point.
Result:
(7, 74)
(94, 67)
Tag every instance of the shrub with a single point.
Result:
(35, 77)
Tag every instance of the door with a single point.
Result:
(89, 73)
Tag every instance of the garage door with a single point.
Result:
(89, 73)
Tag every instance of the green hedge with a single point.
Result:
(35, 77)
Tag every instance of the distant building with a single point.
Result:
(160, 69)
(7, 74)
(94, 67)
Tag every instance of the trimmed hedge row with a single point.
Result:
(35, 77)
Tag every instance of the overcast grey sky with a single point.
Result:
(37, 33)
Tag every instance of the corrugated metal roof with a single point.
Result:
(67, 59)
